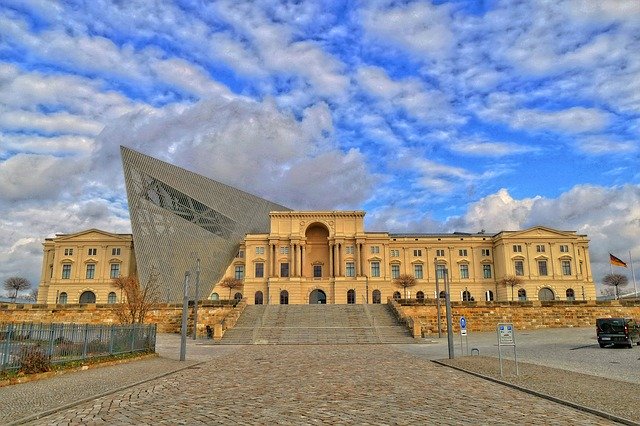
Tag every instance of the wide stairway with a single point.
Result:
(316, 324)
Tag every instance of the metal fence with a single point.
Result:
(61, 343)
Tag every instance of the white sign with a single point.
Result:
(505, 335)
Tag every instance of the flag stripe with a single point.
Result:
(615, 261)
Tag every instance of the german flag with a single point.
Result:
(615, 261)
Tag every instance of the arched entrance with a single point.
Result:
(315, 256)
(317, 296)
(546, 293)
(351, 297)
(377, 297)
(258, 299)
(284, 297)
(88, 297)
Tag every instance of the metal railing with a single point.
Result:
(61, 343)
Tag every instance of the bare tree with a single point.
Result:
(405, 281)
(231, 283)
(511, 281)
(15, 285)
(33, 295)
(616, 281)
(137, 299)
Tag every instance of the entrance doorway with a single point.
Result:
(317, 297)
(377, 297)
(546, 293)
(351, 297)
(284, 297)
(259, 298)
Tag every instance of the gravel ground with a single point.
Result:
(619, 398)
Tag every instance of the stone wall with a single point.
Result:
(483, 316)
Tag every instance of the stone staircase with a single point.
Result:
(316, 324)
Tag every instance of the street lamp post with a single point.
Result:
(185, 314)
(435, 261)
(197, 298)
(448, 305)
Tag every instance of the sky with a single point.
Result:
(432, 116)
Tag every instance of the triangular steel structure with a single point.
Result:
(178, 216)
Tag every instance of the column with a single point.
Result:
(357, 259)
(292, 259)
(302, 250)
(330, 260)
(340, 262)
(299, 260)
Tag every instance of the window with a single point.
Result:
(317, 271)
(284, 250)
(88, 297)
(240, 254)
(566, 267)
(440, 252)
(93, 251)
(115, 251)
(396, 295)
(350, 269)
(259, 250)
(284, 269)
(68, 252)
(395, 253)
(417, 253)
(571, 295)
(115, 270)
(564, 249)
(62, 299)
(542, 267)
(488, 296)
(375, 249)
(258, 298)
(239, 273)
(111, 298)
(375, 269)
(466, 296)
(395, 271)
(486, 252)
(259, 270)
(351, 297)
(349, 249)
(517, 248)
(486, 271)
(522, 295)
(420, 296)
(417, 271)
(440, 271)
(464, 271)
(237, 296)
(540, 248)
(91, 271)
(519, 267)
(66, 271)
(462, 252)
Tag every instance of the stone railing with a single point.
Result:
(229, 320)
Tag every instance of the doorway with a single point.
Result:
(284, 297)
(317, 296)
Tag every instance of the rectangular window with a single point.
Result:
(440, 252)
(284, 250)
(93, 252)
(395, 271)
(349, 249)
(239, 274)
(317, 271)
(540, 248)
(115, 270)
(240, 254)
(115, 251)
(68, 252)
(259, 250)
(284, 269)
(519, 267)
(462, 252)
(486, 271)
(417, 271)
(91, 271)
(375, 269)
(395, 253)
(564, 249)
(350, 269)
(417, 253)
(375, 249)
(464, 271)
(486, 252)
(542, 268)
(517, 248)
(259, 270)
(440, 271)
(566, 267)
(66, 271)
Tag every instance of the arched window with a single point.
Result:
(443, 295)
(351, 296)
(396, 295)
(466, 296)
(88, 297)
(377, 297)
(488, 296)
(284, 297)
(214, 296)
(62, 298)
(112, 297)
(258, 298)
(237, 296)
(571, 295)
(522, 295)
(420, 296)
(546, 293)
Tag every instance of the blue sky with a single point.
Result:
(432, 116)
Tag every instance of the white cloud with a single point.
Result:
(599, 145)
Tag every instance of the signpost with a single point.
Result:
(463, 334)
(506, 337)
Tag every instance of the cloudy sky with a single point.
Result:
(433, 116)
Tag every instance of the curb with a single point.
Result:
(593, 411)
(94, 397)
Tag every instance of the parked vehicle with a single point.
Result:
(618, 331)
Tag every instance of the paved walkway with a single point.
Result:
(346, 384)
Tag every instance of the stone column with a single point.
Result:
(330, 274)
(357, 259)
(302, 250)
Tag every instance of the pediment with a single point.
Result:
(540, 232)
(93, 234)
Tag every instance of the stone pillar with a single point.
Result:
(330, 274)
(302, 250)
(357, 259)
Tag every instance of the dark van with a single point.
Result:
(617, 331)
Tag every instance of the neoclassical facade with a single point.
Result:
(328, 257)
(80, 267)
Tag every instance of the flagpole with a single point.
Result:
(633, 274)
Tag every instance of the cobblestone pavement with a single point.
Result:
(346, 384)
